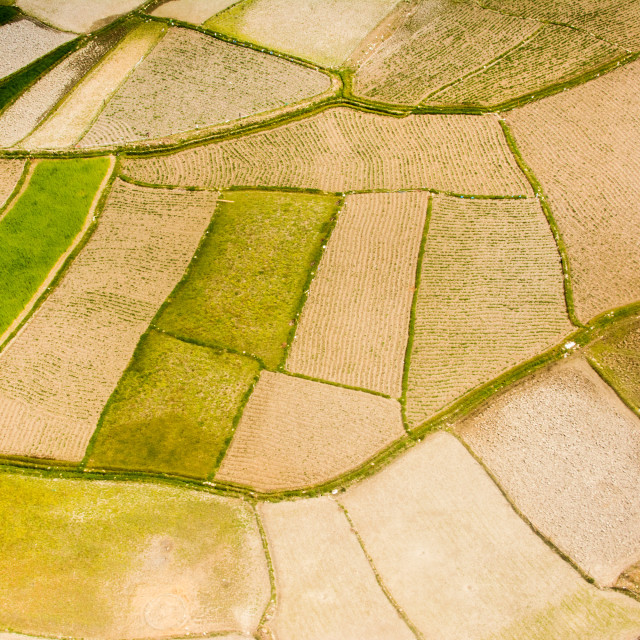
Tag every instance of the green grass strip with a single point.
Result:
(41, 226)
(7, 14)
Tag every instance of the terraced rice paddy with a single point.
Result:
(194, 11)
(10, 173)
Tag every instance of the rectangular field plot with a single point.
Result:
(72, 119)
(42, 224)
(583, 146)
(244, 289)
(324, 32)
(194, 11)
(24, 41)
(490, 296)
(173, 409)
(127, 560)
(191, 80)
(344, 149)
(59, 371)
(324, 584)
(10, 172)
(355, 325)
(565, 428)
(295, 433)
(461, 563)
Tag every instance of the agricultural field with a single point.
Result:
(583, 146)
(566, 428)
(194, 11)
(296, 433)
(475, 317)
(169, 94)
(354, 327)
(324, 33)
(57, 374)
(347, 150)
(10, 174)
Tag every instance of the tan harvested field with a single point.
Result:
(461, 563)
(342, 149)
(59, 371)
(191, 80)
(296, 433)
(81, 16)
(565, 449)
(491, 296)
(354, 326)
(325, 587)
(72, 119)
(10, 173)
(324, 32)
(24, 41)
(584, 147)
(529, 68)
(194, 11)
(20, 118)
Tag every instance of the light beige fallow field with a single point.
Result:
(59, 371)
(76, 114)
(325, 587)
(194, 11)
(10, 172)
(491, 295)
(566, 450)
(296, 433)
(462, 564)
(343, 149)
(24, 41)
(191, 80)
(354, 326)
(584, 147)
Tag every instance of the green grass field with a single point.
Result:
(173, 410)
(244, 288)
(42, 225)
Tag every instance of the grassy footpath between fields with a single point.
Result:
(41, 226)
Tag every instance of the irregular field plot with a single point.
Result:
(195, 11)
(325, 586)
(173, 409)
(72, 119)
(324, 31)
(243, 289)
(23, 41)
(10, 172)
(564, 428)
(296, 433)
(112, 560)
(343, 149)
(355, 325)
(41, 225)
(490, 296)
(77, 15)
(434, 523)
(59, 371)
(584, 147)
(192, 80)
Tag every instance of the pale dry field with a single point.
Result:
(296, 433)
(354, 326)
(490, 296)
(59, 371)
(81, 16)
(21, 117)
(565, 449)
(10, 172)
(191, 80)
(76, 114)
(194, 11)
(583, 146)
(463, 565)
(322, 31)
(24, 41)
(342, 149)
(325, 587)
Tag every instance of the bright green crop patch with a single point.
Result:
(173, 409)
(42, 225)
(244, 287)
(91, 559)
